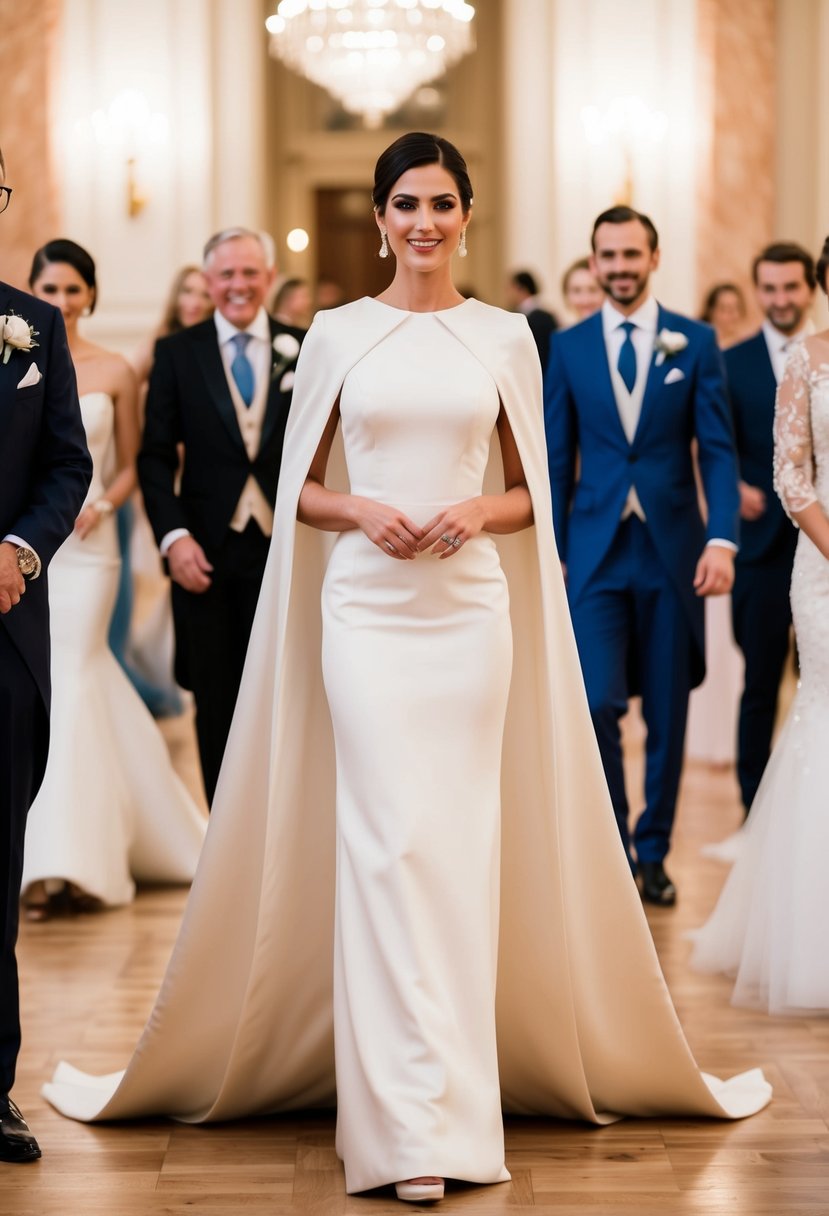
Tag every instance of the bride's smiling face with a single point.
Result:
(423, 217)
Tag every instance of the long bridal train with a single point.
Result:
(244, 1021)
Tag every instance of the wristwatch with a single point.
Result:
(28, 562)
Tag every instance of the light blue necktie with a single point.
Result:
(242, 369)
(627, 357)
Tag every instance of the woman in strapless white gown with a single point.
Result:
(412, 898)
(111, 809)
(771, 923)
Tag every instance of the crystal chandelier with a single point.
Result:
(371, 54)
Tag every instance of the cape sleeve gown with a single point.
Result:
(465, 928)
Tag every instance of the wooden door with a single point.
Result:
(348, 243)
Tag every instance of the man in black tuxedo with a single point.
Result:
(221, 390)
(522, 295)
(45, 471)
(784, 282)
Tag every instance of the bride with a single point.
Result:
(111, 809)
(770, 924)
(463, 931)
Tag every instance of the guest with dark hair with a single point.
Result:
(523, 296)
(581, 290)
(626, 393)
(784, 283)
(111, 809)
(724, 308)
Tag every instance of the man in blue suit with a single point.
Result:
(784, 281)
(44, 474)
(626, 393)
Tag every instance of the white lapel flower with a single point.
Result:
(285, 351)
(16, 334)
(286, 346)
(668, 343)
(286, 383)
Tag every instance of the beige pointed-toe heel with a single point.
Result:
(420, 1190)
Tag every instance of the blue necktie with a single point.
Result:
(627, 357)
(242, 368)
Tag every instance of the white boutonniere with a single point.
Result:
(285, 349)
(669, 343)
(16, 334)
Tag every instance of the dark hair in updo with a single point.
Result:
(415, 149)
(823, 267)
(71, 254)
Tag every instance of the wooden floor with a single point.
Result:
(88, 984)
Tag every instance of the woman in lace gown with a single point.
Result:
(111, 809)
(412, 898)
(770, 925)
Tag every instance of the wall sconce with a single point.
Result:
(128, 127)
(632, 126)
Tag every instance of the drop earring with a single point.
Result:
(384, 245)
(462, 249)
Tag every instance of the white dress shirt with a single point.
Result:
(629, 402)
(780, 345)
(252, 504)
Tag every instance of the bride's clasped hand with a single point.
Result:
(396, 535)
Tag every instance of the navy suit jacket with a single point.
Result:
(584, 431)
(45, 467)
(189, 402)
(752, 387)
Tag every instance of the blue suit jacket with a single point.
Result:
(584, 430)
(45, 467)
(752, 388)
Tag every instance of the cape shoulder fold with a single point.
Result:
(243, 1023)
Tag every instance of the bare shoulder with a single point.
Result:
(102, 370)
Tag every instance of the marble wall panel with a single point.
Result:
(27, 69)
(736, 169)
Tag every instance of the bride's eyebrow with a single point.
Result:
(411, 198)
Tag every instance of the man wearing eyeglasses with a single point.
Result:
(45, 471)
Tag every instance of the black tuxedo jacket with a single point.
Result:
(189, 403)
(45, 467)
(752, 389)
(542, 325)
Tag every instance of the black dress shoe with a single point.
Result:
(17, 1144)
(656, 886)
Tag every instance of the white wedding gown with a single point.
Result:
(381, 848)
(111, 809)
(416, 662)
(771, 922)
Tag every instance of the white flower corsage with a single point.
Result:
(16, 334)
(669, 343)
(285, 349)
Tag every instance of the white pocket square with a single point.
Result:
(675, 374)
(33, 376)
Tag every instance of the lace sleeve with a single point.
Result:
(793, 467)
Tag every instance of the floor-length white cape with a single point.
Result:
(243, 1023)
